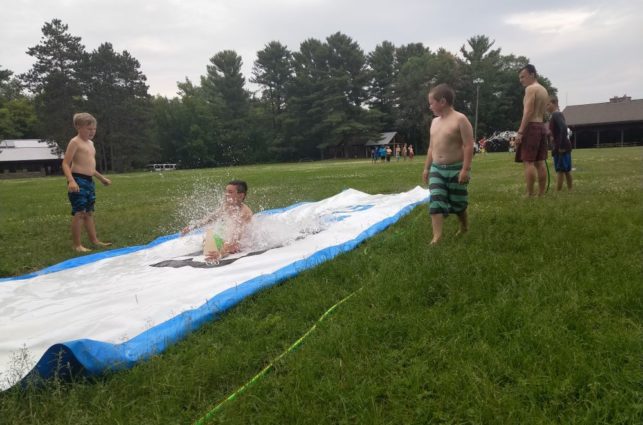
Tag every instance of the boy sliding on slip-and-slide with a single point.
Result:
(226, 225)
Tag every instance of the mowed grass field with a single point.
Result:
(534, 316)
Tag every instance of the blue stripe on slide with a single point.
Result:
(94, 357)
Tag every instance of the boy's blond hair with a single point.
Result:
(83, 118)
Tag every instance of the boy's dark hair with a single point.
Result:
(530, 69)
(443, 91)
(553, 99)
(242, 187)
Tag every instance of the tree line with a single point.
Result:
(327, 94)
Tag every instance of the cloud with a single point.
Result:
(151, 45)
(557, 22)
(586, 46)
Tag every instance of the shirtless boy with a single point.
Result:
(531, 140)
(448, 162)
(561, 151)
(79, 166)
(228, 223)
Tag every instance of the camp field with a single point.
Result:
(532, 317)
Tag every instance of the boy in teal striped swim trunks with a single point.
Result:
(448, 162)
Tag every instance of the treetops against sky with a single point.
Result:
(327, 93)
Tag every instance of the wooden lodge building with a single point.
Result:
(361, 149)
(28, 158)
(618, 122)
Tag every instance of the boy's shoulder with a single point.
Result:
(246, 211)
(73, 142)
(460, 116)
(78, 140)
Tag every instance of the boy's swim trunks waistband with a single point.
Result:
(454, 166)
(82, 176)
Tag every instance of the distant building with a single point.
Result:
(618, 122)
(28, 157)
(391, 138)
(359, 149)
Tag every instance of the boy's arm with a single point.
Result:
(527, 111)
(233, 244)
(72, 186)
(428, 161)
(200, 223)
(102, 178)
(466, 133)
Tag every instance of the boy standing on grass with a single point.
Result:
(561, 146)
(79, 166)
(448, 161)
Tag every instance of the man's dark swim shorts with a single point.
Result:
(534, 143)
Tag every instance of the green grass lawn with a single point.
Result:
(534, 316)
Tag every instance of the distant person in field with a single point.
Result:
(447, 167)
(561, 146)
(411, 152)
(531, 140)
(79, 166)
(226, 225)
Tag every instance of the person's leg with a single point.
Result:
(560, 177)
(90, 228)
(568, 177)
(464, 223)
(437, 221)
(76, 226)
(530, 177)
(541, 171)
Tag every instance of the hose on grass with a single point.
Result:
(548, 176)
(210, 414)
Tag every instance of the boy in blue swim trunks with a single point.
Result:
(79, 166)
(448, 162)
(561, 146)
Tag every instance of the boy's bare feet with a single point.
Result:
(461, 232)
(81, 248)
(101, 243)
(435, 241)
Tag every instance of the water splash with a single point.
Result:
(265, 231)
(270, 231)
(207, 195)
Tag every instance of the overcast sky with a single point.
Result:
(589, 49)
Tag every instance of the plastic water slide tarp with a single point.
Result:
(109, 310)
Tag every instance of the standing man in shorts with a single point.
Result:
(531, 140)
(79, 166)
(448, 162)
